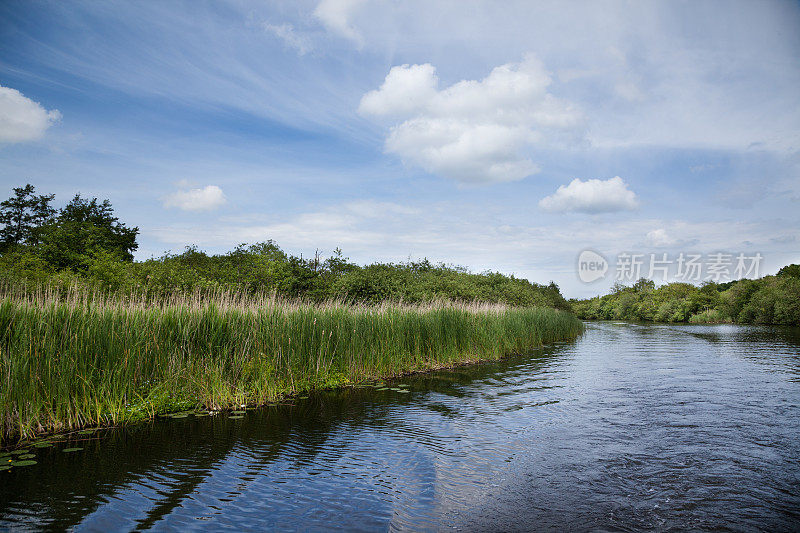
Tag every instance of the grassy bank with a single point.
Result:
(87, 360)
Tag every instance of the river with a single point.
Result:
(631, 427)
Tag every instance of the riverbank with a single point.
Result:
(89, 360)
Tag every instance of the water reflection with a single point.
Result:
(632, 426)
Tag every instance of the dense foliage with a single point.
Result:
(266, 268)
(85, 243)
(45, 240)
(22, 216)
(768, 300)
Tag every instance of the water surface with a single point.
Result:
(632, 427)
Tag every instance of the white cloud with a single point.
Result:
(290, 37)
(208, 198)
(591, 196)
(22, 119)
(406, 90)
(335, 16)
(660, 238)
(473, 131)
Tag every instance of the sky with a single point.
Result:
(504, 136)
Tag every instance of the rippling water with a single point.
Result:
(632, 427)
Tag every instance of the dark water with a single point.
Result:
(629, 428)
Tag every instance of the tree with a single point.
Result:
(789, 271)
(83, 228)
(644, 285)
(22, 215)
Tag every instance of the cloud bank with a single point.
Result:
(22, 119)
(591, 196)
(208, 198)
(475, 131)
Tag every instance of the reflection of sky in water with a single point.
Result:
(642, 426)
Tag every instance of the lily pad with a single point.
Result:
(20, 452)
(70, 450)
(4, 454)
(237, 412)
(86, 432)
(23, 463)
(382, 388)
(236, 417)
(403, 391)
(43, 445)
(26, 456)
(5, 467)
(179, 415)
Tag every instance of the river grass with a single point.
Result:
(85, 359)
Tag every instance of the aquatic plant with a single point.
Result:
(87, 358)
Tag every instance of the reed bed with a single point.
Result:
(84, 358)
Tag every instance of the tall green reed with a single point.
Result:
(84, 358)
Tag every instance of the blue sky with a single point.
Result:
(506, 136)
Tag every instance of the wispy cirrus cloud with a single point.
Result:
(290, 36)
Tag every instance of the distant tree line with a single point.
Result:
(768, 300)
(84, 242)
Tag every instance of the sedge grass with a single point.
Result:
(89, 359)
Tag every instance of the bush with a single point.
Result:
(265, 268)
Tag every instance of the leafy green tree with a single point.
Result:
(644, 285)
(789, 271)
(736, 298)
(82, 228)
(22, 215)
